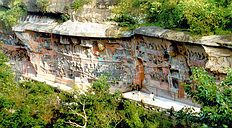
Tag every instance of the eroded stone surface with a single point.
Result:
(158, 32)
(75, 53)
(70, 28)
(141, 60)
(216, 40)
(54, 6)
(220, 59)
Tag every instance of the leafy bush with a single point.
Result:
(27, 104)
(77, 4)
(215, 98)
(64, 18)
(6, 75)
(125, 20)
(201, 17)
(42, 5)
(129, 12)
(11, 16)
(167, 14)
(104, 109)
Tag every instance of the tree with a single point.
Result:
(27, 104)
(98, 105)
(99, 108)
(24, 104)
(215, 99)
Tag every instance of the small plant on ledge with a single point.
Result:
(77, 4)
(42, 5)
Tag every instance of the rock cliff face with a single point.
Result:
(52, 6)
(77, 52)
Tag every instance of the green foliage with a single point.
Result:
(2, 10)
(133, 113)
(101, 85)
(130, 12)
(215, 98)
(201, 17)
(104, 109)
(136, 116)
(99, 105)
(6, 75)
(77, 4)
(223, 3)
(10, 17)
(10, 3)
(204, 17)
(186, 118)
(27, 104)
(125, 20)
(132, 7)
(166, 13)
(64, 18)
(43, 5)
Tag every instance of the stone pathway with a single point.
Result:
(157, 101)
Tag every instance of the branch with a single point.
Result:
(81, 115)
(75, 124)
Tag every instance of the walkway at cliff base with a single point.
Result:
(50, 83)
(139, 96)
(157, 101)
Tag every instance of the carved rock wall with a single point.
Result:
(149, 57)
(139, 61)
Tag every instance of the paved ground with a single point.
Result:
(157, 101)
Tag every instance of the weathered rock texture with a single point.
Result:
(149, 57)
(54, 6)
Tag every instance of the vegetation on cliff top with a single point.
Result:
(42, 5)
(200, 17)
(9, 17)
(13, 10)
(77, 4)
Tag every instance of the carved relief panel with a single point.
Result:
(153, 53)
